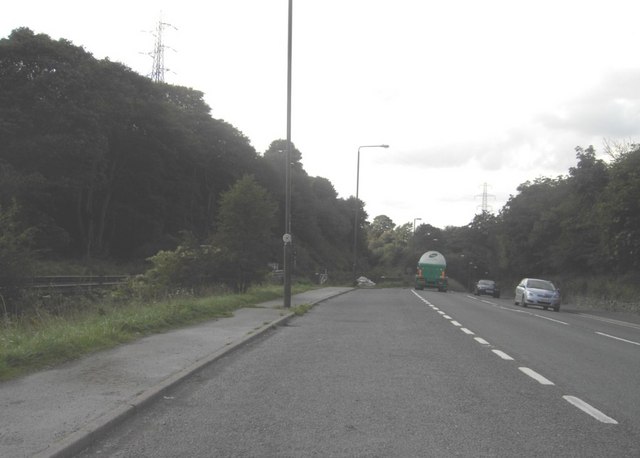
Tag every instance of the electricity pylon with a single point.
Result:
(485, 207)
(158, 69)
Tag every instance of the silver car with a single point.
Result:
(533, 291)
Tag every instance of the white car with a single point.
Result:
(533, 291)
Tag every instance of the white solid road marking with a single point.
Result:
(552, 319)
(502, 355)
(481, 300)
(611, 321)
(595, 413)
(466, 331)
(534, 375)
(481, 340)
(509, 309)
(618, 338)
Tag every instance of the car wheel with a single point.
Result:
(515, 300)
(556, 308)
(545, 308)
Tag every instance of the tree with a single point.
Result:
(529, 227)
(245, 224)
(16, 256)
(389, 246)
(577, 247)
(380, 225)
(619, 211)
(123, 165)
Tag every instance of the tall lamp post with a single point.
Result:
(287, 238)
(355, 221)
(414, 223)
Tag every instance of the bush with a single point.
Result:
(188, 270)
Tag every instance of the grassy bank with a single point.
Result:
(42, 339)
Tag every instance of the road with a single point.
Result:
(397, 372)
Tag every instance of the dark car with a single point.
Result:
(488, 287)
(533, 291)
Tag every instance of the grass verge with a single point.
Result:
(301, 309)
(43, 340)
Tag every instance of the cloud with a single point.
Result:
(610, 110)
(544, 144)
(524, 146)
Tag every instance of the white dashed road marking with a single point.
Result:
(595, 413)
(577, 402)
(537, 377)
(502, 355)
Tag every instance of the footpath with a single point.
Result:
(60, 411)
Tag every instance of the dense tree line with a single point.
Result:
(97, 161)
(583, 225)
(104, 163)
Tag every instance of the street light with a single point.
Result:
(355, 223)
(414, 223)
(286, 238)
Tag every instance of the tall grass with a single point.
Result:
(43, 339)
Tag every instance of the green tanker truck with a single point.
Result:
(431, 271)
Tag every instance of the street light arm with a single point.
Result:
(355, 222)
(373, 146)
(414, 223)
(358, 167)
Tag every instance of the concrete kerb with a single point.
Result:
(77, 441)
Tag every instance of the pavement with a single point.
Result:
(60, 411)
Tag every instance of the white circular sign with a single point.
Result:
(286, 238)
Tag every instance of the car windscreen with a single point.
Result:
(541, 284)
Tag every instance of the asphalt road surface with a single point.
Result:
(397, 372)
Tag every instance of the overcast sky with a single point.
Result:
(465, 92)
